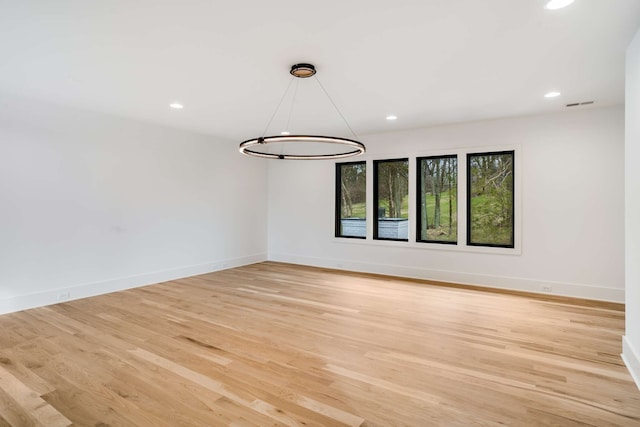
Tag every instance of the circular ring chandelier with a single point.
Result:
(262, 146)
(251, 147)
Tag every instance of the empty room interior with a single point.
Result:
(342, 213)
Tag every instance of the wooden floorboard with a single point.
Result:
(273, 344)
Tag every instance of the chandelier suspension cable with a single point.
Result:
(293, 101)
(278, 107)
(336, 107)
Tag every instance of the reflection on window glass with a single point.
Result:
(437, 212)
(351, 205)
(490, 206)
(391, 194)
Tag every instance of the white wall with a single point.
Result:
(631, 341)
(572, 187)
(91, 203)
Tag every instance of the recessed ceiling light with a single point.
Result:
(391, 117)
(551, 94)
(557, 4)
(284, 132)
(176, 106)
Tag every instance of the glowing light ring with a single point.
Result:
(248, 147)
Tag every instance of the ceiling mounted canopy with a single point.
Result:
(303, 70)
(302, 147)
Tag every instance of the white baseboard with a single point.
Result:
(24, 302)
(631, 358)
(490, 281)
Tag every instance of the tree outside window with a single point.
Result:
(490, 199)
(437, 207)
(351, 206)
(391, 194)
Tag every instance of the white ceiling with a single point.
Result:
(427, 61)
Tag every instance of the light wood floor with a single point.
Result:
(276, 344)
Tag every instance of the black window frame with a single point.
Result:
(376, 197)
(419, 198)
(338, 200)
(513, 198)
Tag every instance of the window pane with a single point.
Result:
(351, 206)
(437, 199)
(490, 199)
(391, 194)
